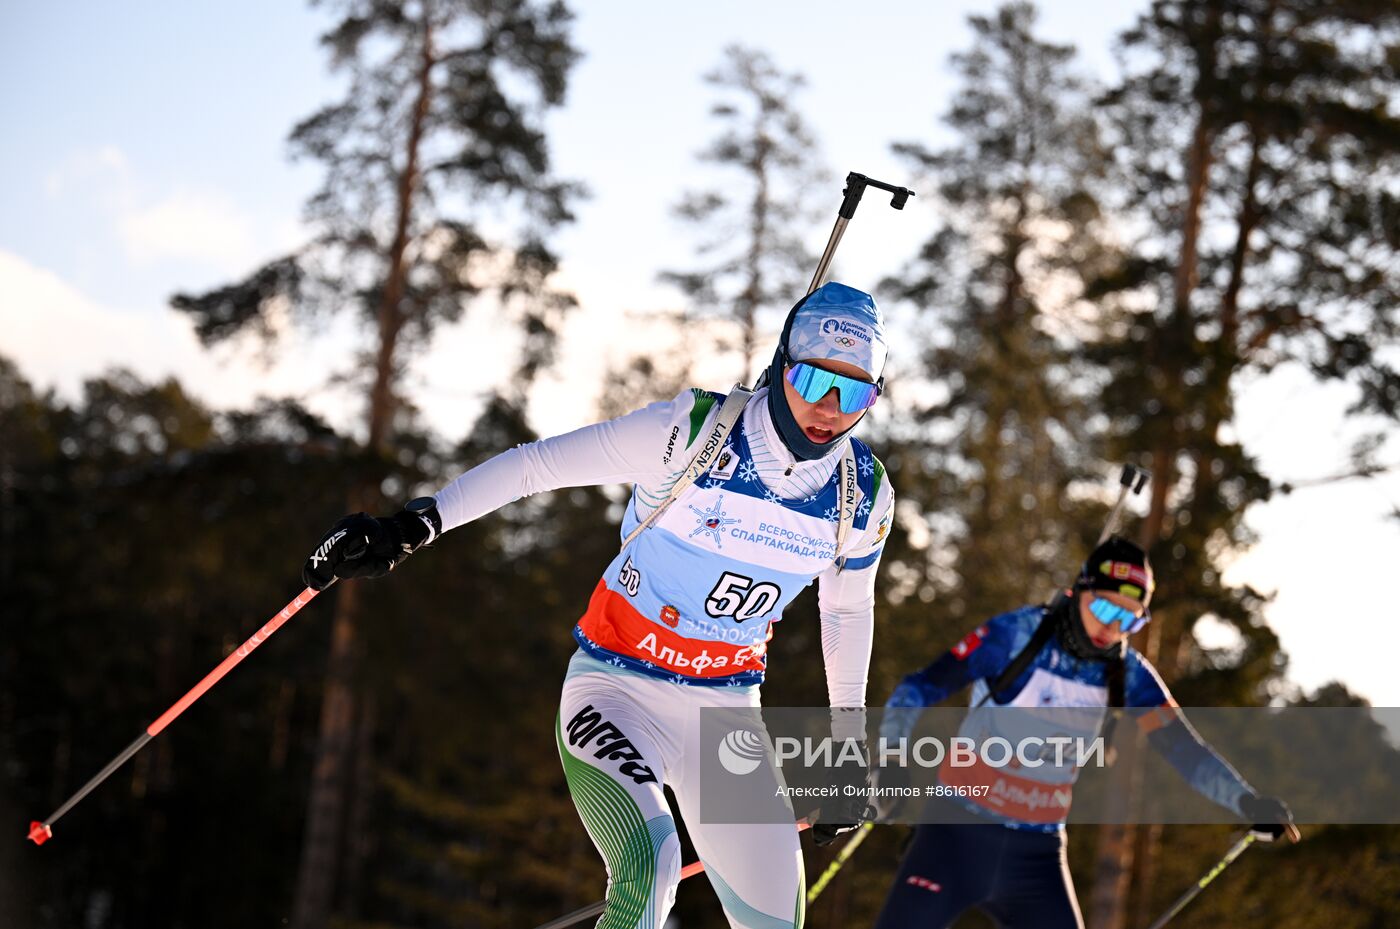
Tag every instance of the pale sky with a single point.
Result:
(145, 154)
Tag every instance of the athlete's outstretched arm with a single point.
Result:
(1170, 734)
(982, 653)
(1181, 745)
(630, 449)
(645, 446)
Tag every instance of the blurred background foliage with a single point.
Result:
(1105, 263)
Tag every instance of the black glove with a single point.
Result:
(1271, 817)
(850, 807)
(359, 545)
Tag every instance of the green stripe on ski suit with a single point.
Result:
(704, 402)
(745, 915)
(879, 476)
(629, 845)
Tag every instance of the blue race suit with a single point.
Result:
(1007, 856)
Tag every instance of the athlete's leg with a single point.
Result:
(755, 868)
(1034, 889)
(613, 757)
(943, 873)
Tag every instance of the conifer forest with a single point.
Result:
(1105, 265)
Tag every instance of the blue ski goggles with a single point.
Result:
(813, 383)
(1108, 613)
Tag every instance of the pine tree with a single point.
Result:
(1007, 435)
(443, 106)
(1261, 124)
(754, 227)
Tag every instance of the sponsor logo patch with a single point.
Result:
(670, 616)
(724, 467)
(970, 643)
(834, 328)
(323, 553)
(671, 444)
(712, 522)
(588, 729)
(1122, 571)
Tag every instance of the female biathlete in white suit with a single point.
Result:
(681, 617)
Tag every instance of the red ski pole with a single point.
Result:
(41, 832)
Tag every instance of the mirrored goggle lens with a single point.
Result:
(812, 383)
(1109, 613)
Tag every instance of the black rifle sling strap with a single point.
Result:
(1115, 675)
(1024, 657)
(1115, 672)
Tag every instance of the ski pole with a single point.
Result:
(1130, 481)
(847, 850)
(1235, 851)
(41, 832)
(593, 909)
(855, 187)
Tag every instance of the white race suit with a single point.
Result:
(681, 619)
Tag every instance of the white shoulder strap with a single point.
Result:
(729, 413)
(847, 492)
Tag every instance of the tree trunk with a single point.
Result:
(359, 842)
(1247, 220)
(320, 851)
(391, 308)
(1115, 860)
(1113, 864)
(322, 843)
(1150, 837)
(1108, 905)
(1008, 329)
(1187, 270)
(1165, 651)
